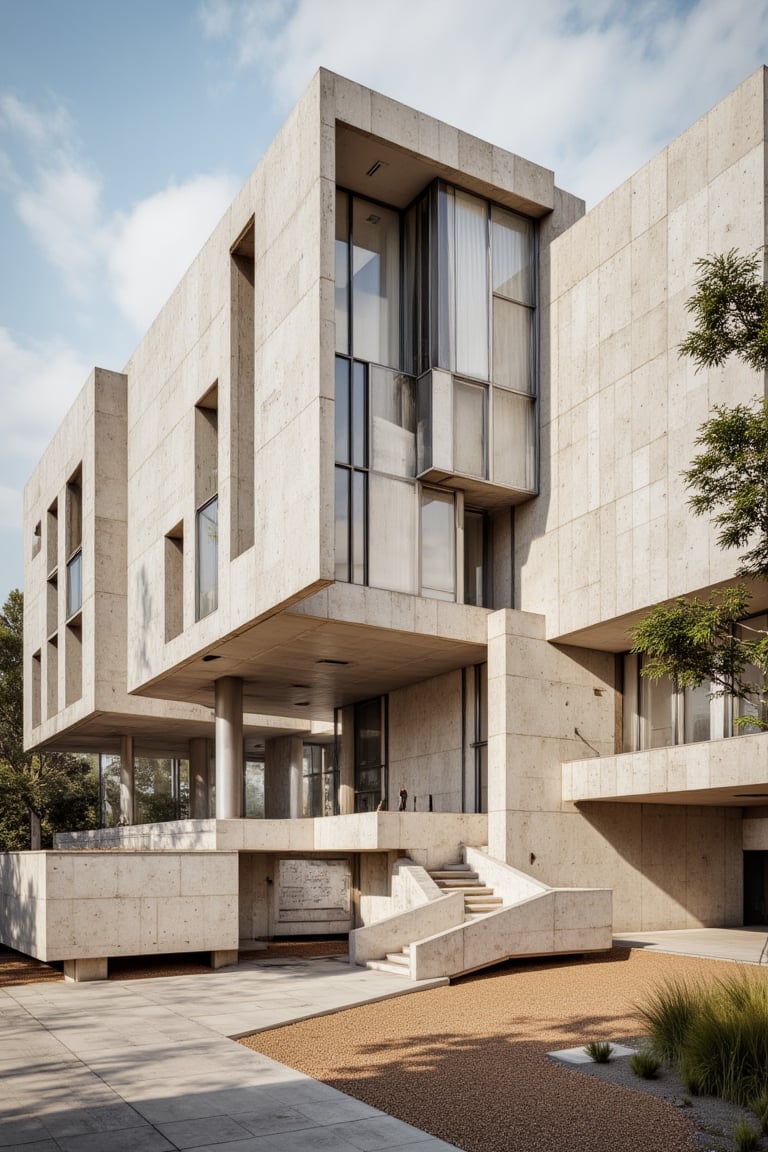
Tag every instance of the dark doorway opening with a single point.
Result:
(756, 888)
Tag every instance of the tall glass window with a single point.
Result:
(393, 419)
(375, 283)
(341, 277)
(370, 754)
(438, 544)
(320, 781)
(75, 583)
(208, 558)
(469, 424)
(351, 470)
(474, 558)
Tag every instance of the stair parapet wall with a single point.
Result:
(431, 912)
(557, 920)
(507, 882)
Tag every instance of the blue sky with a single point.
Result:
(125, 130)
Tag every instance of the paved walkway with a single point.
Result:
(741, 944)
(146, 1066)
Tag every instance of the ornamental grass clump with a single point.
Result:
(745, 1136)
(599, 1050)
(716, 1035)
(645, 1064)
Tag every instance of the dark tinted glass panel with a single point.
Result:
(474, 566)
(342, 410)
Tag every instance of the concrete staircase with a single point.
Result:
(479, 901)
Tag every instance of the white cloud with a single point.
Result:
(591, 88)
(136, 256)
(63, 214)
(39, 383)
(152, 246)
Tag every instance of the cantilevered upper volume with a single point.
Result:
(347, 554)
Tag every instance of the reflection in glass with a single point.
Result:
(512, 242)
(469, 429)
(342, 410)
(512, 345)
(208, 558)
(359, 416)
(696, 713)
(359, 518)
(342, 272)
(376, 283)
(513, 440)
(474, 558)
(342, 524)
(658, 711)
(75, 584)
(393, 418)
(392, 534)
(438, 545)
(754, 705)
(369, 755)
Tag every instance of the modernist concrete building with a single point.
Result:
(368, 513)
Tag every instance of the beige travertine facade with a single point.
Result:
(365, 519)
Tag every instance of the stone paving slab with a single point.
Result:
(743, 945)
(148, 1065)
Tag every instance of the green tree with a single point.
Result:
(39, 794)
(696, 641)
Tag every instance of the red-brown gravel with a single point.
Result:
(468, 1062)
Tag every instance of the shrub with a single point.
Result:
(645, 1064)
(745, 1136)
(716, 1036)
(760, 1108)
(668, 1015)
(599, 1050)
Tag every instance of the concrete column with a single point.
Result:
(347, 762)
(229, 748)
(90, 968)
(199, 783)
(126, 780)
(283, 770)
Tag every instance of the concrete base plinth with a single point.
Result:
(224, 957)
(88, 969)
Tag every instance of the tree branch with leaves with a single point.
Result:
(695, 641)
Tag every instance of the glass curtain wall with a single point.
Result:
(658, 715)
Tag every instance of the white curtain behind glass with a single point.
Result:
(471, 285)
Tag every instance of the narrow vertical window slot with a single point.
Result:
(207, 502)
(242, 390)
(174, 581)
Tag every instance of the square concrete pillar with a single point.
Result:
(90, 968)
(224, 957)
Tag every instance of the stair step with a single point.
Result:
(387, 966)
(470, 890)
(398, 958)
(454, 874)
(457, 885)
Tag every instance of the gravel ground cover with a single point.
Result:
(468, 1062)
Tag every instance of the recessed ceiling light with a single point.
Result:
(374, 168)
(299, 685)
(751, 795)
(339, 662)
(207, 659)
(302, 703)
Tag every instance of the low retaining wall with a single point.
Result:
(88, 905)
